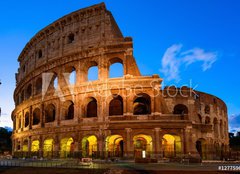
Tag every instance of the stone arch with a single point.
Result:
(40, 54)
(142, 145)
(92, 107)
(26, 119)
(116, 105)
(36, 116)
(114, 146)
(215, 127)
(68, 110)
(142, 104)
(207, 109)
(171, 145)
(180, 109)
(221, 129)
(114, 64)
(70, 38)
(70, 75)
(25, 145)
(35, 146)
(89, 146)
(66, 147)
(48, 147)
(201, 147)
(207, 120)
(199, 118)
(92, 71)
(22, 98)
(38, 86)
(29, 91)
(50, 113)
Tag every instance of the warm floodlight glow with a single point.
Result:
(114, 145)
(89, 145)
(47, 147)
(66, 147)
(171, 145)
(142, 143)
(35, 146)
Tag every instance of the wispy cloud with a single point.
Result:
(234, 123)
(174, 58)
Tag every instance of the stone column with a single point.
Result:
(103, 70)
(29, 146)
(56, 147)
(41, 144)
(129, 150)
(30, 118)
(157, 143)
(42, 116)
(189, 145)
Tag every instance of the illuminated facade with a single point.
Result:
(128, 116)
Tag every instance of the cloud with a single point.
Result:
(174, 58)
(234, 123)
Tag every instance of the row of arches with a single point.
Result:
(141, 106)
(51, 80)
(114, 146)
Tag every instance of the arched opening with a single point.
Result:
(93, 71)
(48, 148)
(22, 96)
(114, 146)
(19, 122)
(89, 146)
(116, 68)
(55, 82)
(68, 110)
(207, 120)
(92, 108)
(29, 91)
(201, 147)
(171, 145)
(215, 127)
(142, 105)
(116, 106)
(25, 146)
(70, 38)
(35, 146)
(26, 121)
(207, 109)
(142, 146)
(199, 118)
(221, 129)
(67, 147)
(40, 54)
(50, 113)
(39, 86)
(180, 109)
(72, 77)
(36, 116)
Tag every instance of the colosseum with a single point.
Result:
(61, 112)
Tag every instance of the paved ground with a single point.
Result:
(61, 166)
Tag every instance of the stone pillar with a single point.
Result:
(30, 118)
(103, 70)
(189, 145)
(42, 116)
(41, 144)
(157, 143)
(29, 146)
(129, 143)
(56, 147)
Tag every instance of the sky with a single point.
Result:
(183, 41)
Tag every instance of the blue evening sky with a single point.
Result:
(193, 34)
